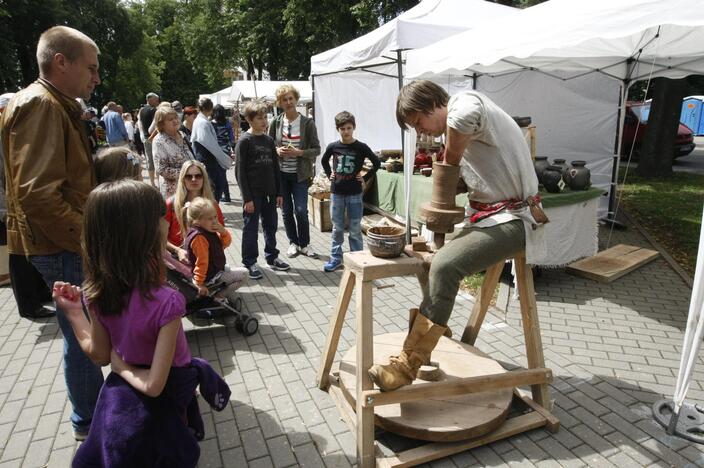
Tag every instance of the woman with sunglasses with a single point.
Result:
(297, 146)
(192, 182)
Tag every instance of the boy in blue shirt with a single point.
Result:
(348, 156)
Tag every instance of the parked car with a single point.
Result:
(636, 124)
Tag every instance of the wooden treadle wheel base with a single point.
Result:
(525, 415)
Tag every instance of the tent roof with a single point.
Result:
(427, 22)
(266, 90)
(569, 38)
(219, 97)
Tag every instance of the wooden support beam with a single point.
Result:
(552, 423)
(448, 388)
(365, 354)
(343, 301)
(435, 450)
(482, 302)
(531, 327)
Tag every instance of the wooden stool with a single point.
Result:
(361, 268)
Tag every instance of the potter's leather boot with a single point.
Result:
(412, 313)
(402, 369)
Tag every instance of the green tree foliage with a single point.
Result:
(180, 48)
(107, 22)
(178, 78)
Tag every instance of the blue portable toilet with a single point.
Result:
(692, 114)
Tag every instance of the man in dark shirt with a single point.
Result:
(146, 117)
(348, 156)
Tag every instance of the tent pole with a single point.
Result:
(312, 88)
(474, 81)
(407, 177)
(611, 215)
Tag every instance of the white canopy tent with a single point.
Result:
(582, 48)
(362, 76)
(219, 97)
(266, 90)
(569, 63)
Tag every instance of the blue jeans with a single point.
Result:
(264, 207)
(83, 378)
(338, 205)
(295, 209)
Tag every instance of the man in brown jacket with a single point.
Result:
(49, 174)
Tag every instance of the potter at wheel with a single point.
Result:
(437, 419)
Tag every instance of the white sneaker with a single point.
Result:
(308, 251)
(292, 251)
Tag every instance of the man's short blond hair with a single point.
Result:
(161, 115)
(283, 90)
(69, 42)
(254, 108)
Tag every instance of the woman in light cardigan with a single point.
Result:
(297, 146)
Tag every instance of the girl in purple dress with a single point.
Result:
(135, 326)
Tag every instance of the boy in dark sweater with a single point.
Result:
(347, 186)
(257, 172)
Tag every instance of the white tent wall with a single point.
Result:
(368, 97)
(574, 119)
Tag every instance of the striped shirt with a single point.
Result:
(290, 136)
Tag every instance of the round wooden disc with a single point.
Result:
(442, 418)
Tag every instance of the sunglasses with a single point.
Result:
(194, 176)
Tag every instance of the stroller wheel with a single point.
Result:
(236, 304)
(248, 326)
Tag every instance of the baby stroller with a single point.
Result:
(178, 276)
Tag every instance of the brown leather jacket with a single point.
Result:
(48, 171)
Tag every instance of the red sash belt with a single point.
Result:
(484, 210)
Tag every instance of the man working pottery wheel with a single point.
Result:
(505, 208)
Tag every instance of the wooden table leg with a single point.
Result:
(365, 356)
(481, 303)
(344, 295)
(531, 328)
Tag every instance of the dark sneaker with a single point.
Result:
(254, 272)
(279, 265)
(80, 434)
(332, 265)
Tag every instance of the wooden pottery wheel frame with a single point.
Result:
(436, 419)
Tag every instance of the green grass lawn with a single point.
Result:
(670, 209)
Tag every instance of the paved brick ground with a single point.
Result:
(614, 350)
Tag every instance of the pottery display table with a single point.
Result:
(571, 234)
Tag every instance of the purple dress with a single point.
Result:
(130, 429)
(134, 332)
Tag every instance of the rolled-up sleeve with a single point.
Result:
(466, 114)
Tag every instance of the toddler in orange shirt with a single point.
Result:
(205, 243)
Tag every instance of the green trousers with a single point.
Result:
(472, 251)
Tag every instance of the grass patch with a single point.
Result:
(473, 283)
(670, 209)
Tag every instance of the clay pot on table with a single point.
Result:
(540, 164)
(563, 164)
(552, 175)
(578, 176)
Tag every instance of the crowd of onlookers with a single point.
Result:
(81, 227)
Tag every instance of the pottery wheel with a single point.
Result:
(440, 418)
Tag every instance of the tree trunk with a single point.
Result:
(657, 150)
